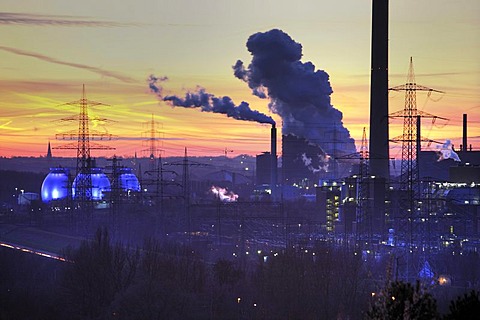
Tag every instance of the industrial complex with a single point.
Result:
(315, 188)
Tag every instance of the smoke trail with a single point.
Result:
(207, 102)
(299, 93)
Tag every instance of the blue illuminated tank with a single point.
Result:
(100, 184)
(55, 185)
(127, 180)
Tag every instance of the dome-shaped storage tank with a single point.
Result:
(100, 184)
(55, 185)
(127, 180)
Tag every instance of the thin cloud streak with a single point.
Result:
(42, 57)
(11, 18)
(145, 139)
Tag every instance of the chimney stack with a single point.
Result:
(273, 154)
(379, 146)
(464, 140)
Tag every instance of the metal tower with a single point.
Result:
(364, 170)
(151, 140)
(83, 145)
(411, 222)
(363, 214)
(411, 138)
(186, 164)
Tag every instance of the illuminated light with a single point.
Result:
(254, 304)
(259, 251)
(443, 281)
(373, 294)
(239, 299)
(393, 298)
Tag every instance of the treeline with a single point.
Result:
(104, 280)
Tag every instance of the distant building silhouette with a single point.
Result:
(49, 151)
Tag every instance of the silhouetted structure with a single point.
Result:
(83, 192)
(379, 147)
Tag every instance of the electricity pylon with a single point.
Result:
(83, 145)
(411, 223)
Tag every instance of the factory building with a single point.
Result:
(263, 168)
(302, 162)
(328, 198)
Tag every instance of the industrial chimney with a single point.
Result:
(379, 148)
(273, 153)
(464, 140)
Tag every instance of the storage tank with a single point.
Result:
(100, 184)
(55, 185)
(127, 180)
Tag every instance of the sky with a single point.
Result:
(49, 49)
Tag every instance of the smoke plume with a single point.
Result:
(298, 93)
(207, 102)
(223, 194)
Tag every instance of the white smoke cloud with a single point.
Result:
(323, 163)
(446, 152)
(223, 194)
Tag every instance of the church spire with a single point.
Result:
(49, 152)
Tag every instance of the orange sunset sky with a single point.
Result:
(49, 48)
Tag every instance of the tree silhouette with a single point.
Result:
(400, 300)
(97, 273)
(466, 307)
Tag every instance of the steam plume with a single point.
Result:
(207, 102)
(223, 194)
(299, 94)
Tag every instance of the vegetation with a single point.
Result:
(170, 281)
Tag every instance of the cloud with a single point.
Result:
(105, 73)
(8, 18)
(145, 139)
(6, 126)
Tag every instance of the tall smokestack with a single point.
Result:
(379, 149)
(273, 153)
(464, 140)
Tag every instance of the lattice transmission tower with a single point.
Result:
(151, 139)
(411, 220)
(83, 138)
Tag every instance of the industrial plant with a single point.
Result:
(316, 189)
